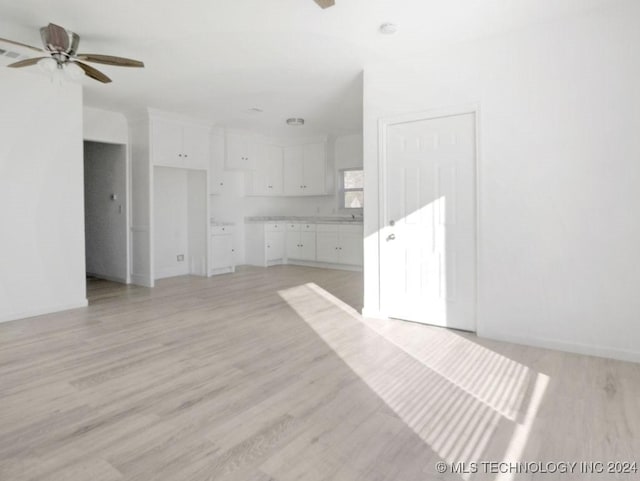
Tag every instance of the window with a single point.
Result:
(352, 188)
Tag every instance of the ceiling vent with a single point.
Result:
(10, 54)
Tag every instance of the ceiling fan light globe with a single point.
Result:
(73, 72)
(48, 65)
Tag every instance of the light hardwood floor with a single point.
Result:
(270, 374)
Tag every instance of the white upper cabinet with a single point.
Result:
(216, 166)
(305, 169)
(266, 176)
(240, 152)
(179, 144)
(314, 168)
(196, 146)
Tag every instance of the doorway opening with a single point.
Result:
(105, 212)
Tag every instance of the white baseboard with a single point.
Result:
(373, 313)
(43, 310)
(172, 272)
(323, 265)
(558, 345)
(544, 343)
(121, 280)
(222, 270)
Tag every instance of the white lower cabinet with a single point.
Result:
(322, 245)
(301, 241)
(274, 235)
(265, 243)
(339, 244)
(222, 250)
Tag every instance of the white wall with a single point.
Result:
(105, 126)
(105, 170)
(42, 265)
(559, 176)
(197, 219)
(170, 217)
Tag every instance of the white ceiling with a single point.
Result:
(216, 59)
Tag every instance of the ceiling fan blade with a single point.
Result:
(93, 73)
(26, 63)
(21, 44)
(109, 60)
(325, 3)
(55, 37)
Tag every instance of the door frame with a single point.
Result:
(383, 124)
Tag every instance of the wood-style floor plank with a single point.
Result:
(272, 375)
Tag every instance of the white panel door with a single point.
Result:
(428, 244)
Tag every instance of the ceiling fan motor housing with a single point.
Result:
(59, 40)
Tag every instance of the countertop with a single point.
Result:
(305, 219)
(220, 224)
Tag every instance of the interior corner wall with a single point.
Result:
(42, 262)
(559, 175)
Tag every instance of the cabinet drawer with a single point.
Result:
(308, 227)
(221, 229)
(293, 227)
(274, 227)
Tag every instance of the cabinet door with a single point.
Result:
(327, 247)
(195, 146)
(216, 164)
(264, 162)
(237, 152)
(350, 249)
(274, 165)
(293, 160)
(221, 251)
(293, 245)
(274, 245)
(166, 143)
(314, 169)
(307, 250)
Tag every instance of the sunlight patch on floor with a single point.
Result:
(465, 401)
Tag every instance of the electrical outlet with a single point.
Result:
(180, 257)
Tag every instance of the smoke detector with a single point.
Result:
(388, 28)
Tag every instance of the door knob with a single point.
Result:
(391, 237)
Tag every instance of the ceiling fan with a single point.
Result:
(325, 3)
(62, 45)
